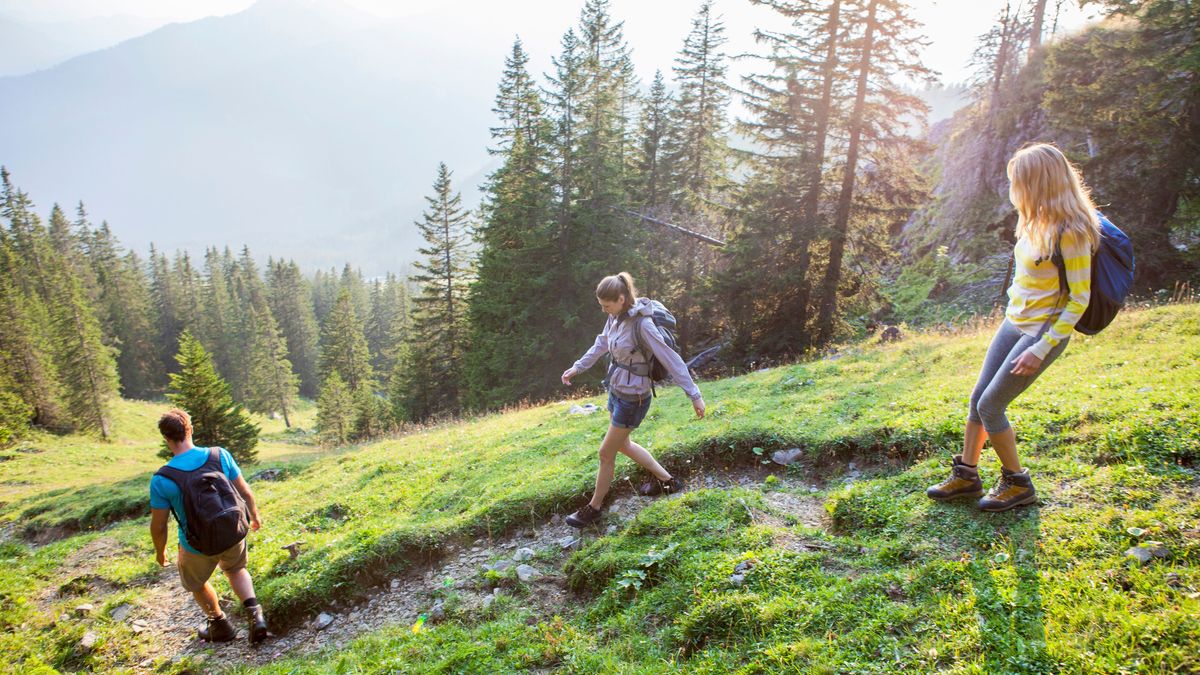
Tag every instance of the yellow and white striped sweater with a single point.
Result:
(1035, 297)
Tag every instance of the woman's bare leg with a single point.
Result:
(614, 442)
(643, 457)
(973, 440)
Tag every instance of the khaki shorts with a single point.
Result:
(196, 568)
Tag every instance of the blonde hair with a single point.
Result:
(611, 288)
(1051, 199)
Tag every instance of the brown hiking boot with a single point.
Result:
(257, 624)
(585, 516)
(1013, 489)
(218, 630)
(657, 487)
(963, 482)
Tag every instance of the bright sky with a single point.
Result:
(654, 28)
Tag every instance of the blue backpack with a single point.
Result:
(1112, 277)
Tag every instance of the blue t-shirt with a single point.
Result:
(164, 493)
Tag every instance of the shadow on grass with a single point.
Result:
(1008, 602)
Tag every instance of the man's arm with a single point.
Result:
(158, 533)
(244, 488)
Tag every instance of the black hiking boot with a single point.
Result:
(257, 624)
(1015, 488)
(661, 487)
(963, 482)
(584, 516)
(217, 630)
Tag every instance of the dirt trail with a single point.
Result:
(169, 617)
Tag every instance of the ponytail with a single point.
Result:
(611, 288)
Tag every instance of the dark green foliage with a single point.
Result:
(216, 419)
(290, 299)
(272, 386)
(1139, 148)
(124, 305)
(508, 322)
(344, 348)
(335, 411)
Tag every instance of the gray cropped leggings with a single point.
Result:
(997, 387)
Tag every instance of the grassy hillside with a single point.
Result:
(893, 581)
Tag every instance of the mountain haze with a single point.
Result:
(303, 129)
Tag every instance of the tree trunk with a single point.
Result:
(1039, 18)
(837, 243)
(810, 204)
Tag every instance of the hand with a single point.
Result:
(568, 374)
(255, 521)
(698, 405)
(161, 558)
(1026, 364)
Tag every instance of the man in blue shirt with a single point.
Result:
(195, 568)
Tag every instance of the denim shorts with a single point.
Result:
(627, 414)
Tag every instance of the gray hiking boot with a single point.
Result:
(963, 482)
(1013, 489)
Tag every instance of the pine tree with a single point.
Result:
(273, 386)
(387, 323)
(439, 332)
(793, 107)
(126, 311)
(217, 324)
(86, 366)
(290, 299)
(24, 362)
(216, 419)
(653, 191)
(344, 347)
(508, 327)
(885, 54)
(335, 411)
(698, 155)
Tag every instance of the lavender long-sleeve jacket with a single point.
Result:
(617, 339)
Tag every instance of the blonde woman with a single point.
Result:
(1057, 225)
(629, 388)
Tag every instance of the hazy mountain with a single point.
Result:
(26, 46)
(300, 128)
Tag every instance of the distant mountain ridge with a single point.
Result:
(306, 118)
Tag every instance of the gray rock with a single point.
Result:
(743, 566)
(395, 584)
(523, 554)
(139, 626)
(526, 573)
(488, 600)
(612, 529)
(786, 457)
(1146, 553)
(499, 565)
(322, 621)
(438, 611)
(567, 543)
(84, 609)
(813, 488)
(737, 579)
(88, 641)
(121, 612)
(585, 409)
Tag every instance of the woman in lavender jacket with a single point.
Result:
(629, 388)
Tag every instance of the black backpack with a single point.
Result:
(217, 518)
(1112, 277)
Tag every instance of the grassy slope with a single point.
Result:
(1036, 590)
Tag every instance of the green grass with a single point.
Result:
(1112, 432)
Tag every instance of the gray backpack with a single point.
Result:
(652, 368)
